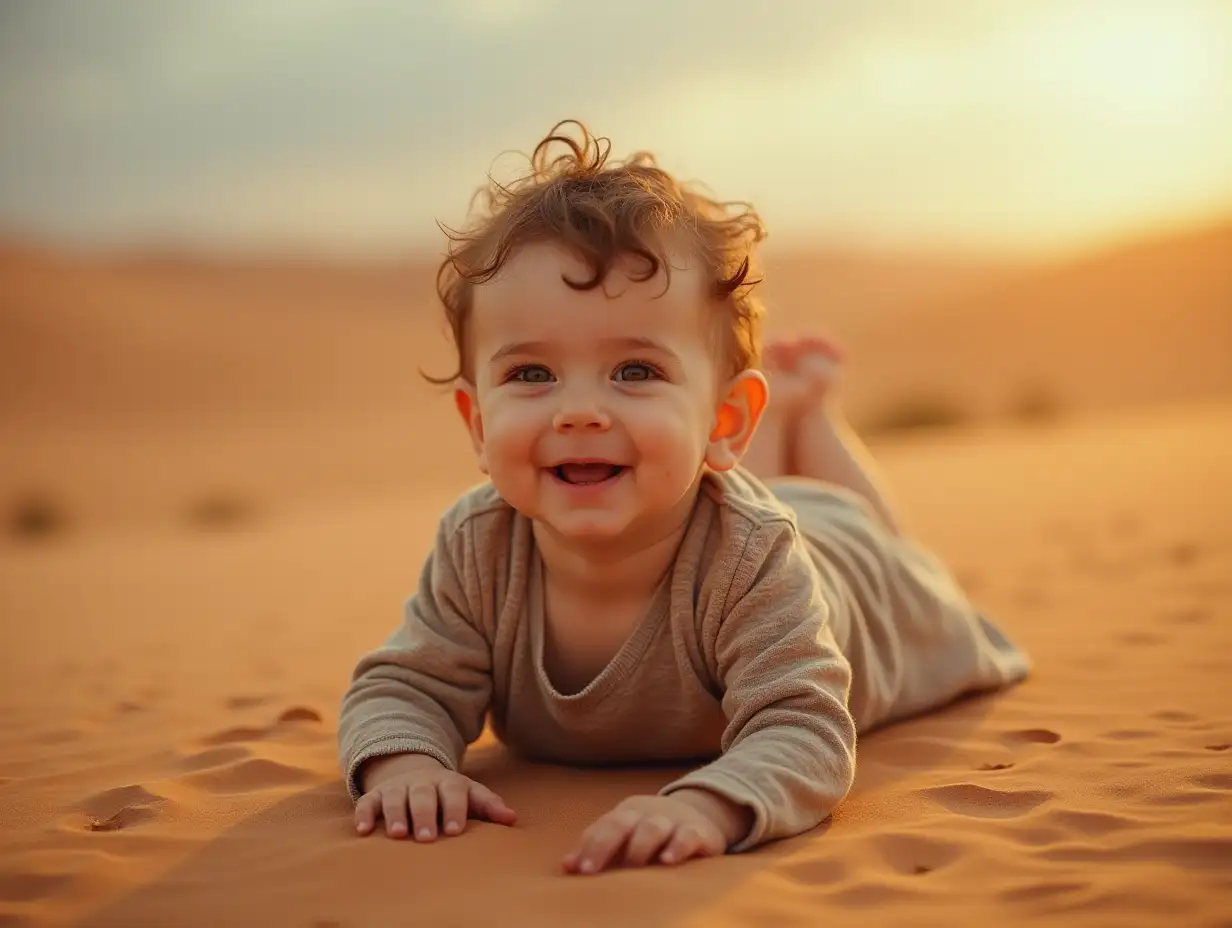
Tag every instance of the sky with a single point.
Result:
(352, 127)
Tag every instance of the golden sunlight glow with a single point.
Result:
(1061, 125)
(1034, 127)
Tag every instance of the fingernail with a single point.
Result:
(425, 833)
(452, 828)
(361, 827)
(588, 866)
(397, 829)
(669, 857)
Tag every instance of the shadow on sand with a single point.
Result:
(299, 863)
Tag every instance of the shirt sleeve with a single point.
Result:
(789, 745)
(426, 690)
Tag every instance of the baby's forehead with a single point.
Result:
(548, 292)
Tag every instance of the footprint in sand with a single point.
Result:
(248, 775)
(983, 802)
(1031, 736)
(916, 855)
(1176, 716)
(246, 702)
(242, 733)
(214, 757)
(300, 714)
(238, 734)
(1089, 824)
(121, 807)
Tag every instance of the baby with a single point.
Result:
(682, 553)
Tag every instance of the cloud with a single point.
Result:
(131, 102)
(335, 124)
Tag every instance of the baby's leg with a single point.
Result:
(824, 446)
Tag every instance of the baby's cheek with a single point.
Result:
(509, 432)
(673, 451)
(509, 449)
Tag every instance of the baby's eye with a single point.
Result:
(531, 373)
(636, 371)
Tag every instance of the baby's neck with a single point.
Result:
(616, 571)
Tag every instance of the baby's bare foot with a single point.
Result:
(801, 372)
(819, 363)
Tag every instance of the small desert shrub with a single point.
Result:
(36, 515)
(917, 414)
(219, 510)
(1035, 403)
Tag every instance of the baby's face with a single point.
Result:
(593, 411)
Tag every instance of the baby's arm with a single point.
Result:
(426, 690)
(789, 747)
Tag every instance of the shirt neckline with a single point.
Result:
(631, 651)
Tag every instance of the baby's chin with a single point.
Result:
(589, 528)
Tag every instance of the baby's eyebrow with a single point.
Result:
(645, 344)
(512, 348)
(539, 348)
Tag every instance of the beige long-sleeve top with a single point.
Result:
(789, 619)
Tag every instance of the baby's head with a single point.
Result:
(607, 339)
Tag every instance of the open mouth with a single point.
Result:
(587, 473)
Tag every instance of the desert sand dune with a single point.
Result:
(178, 379)
(175, 640)
(1141, 324)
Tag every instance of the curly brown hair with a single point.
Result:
(604, 212)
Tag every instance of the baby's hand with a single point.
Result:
(670, 829)
(422, 785)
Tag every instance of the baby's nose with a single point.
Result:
(581, 415)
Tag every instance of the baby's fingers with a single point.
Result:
(685, 843)
(648, 838)
(454, 794)
(366, 812)
(602, 841)
(422, 799)
(486, 804)
(393, 807)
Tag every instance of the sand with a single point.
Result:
(174, 644)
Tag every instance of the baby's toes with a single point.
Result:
(820, 345)
(779, 356)
(819, 370)
(788, 390)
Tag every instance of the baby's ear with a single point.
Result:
(736, 419)
(467, 404)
